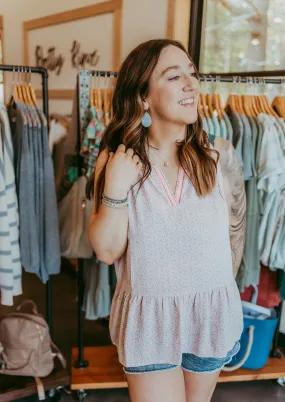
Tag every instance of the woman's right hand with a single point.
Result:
(122, 171)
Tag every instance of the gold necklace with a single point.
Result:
(156, 150)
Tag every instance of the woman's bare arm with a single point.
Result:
(108, 228)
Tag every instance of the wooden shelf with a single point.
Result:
(14, 388)
(105, 371)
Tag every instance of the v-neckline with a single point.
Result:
(174, 197)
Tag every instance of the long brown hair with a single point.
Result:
(132, 86)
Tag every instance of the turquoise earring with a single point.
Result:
(146, 120)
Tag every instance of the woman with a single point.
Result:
(160, 215)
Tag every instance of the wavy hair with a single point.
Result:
(132, 86)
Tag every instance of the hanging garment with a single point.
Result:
(277, 246)
(39, 233)
(271, 161)
(215, 120)
(25, 189)
(97, 300)
(280, 126)
(162, 296)
(205, 125)
(247, 150)
(235, 198)
(268, 289)
(249, 271)
(211, 128)
(271, 168)
(50, 228)
(74, 213)
(10, 261)
(57, 133)
(65, 155)
(91, 141)
(223, 128)
(254, 138)
(238, 129)
(229, 128)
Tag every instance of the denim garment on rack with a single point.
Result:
(247, 149)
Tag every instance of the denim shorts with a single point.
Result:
(190, 362)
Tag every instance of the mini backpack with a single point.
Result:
(26, 348)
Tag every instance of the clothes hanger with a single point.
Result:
(217, 100)
(19, 88)
(252, 97)
(32, 91)
(24, 88)
(91, 102)
(209, 98)
(246, 101)
(105, 106)
(257, 97)
(231, 106)
(239, 98)
(278, 103)
(270, 110)
(15, 95)
(203, 99)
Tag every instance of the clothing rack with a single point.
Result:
(44, 74)
(98, 366)
(22, 387)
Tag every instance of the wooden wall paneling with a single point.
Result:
(170, 19)
(178, 20)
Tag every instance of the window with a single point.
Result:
(243, 35)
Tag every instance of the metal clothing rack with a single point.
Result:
(79, 382)
(44, 74)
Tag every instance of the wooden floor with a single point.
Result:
(105, 371)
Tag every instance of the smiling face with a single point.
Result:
(173, 89)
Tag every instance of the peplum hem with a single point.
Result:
(159, 329)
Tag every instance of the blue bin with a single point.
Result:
(263, 335)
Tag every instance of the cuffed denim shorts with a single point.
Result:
(190, 362)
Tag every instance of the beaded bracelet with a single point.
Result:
(110, 204)
(104, 197)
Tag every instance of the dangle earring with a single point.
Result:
(146, 120)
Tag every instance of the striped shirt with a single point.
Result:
(10, 262)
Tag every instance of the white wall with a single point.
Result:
(142, 20)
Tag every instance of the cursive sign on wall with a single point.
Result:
(54, 62)
(80, 59)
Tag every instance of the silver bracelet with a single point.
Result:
(114, 201)
(115, 206)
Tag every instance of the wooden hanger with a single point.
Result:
(24, 88)
(217, 100)
(200, 107)
(31, 91)
(209, 100)
(253, 100)
(204, 103)
(246, 102)
(231, 105)
(269, 108)
(203, 98)
(278, 103)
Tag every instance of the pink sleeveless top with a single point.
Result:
(175, 288)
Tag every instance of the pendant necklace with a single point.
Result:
(156, 150)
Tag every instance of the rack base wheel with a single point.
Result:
(81, 394)
(281, 381)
